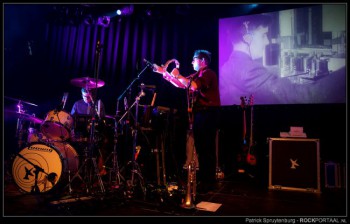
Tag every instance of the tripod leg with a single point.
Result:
(77, 174)
(100, 182)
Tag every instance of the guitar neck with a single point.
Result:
(251, 127)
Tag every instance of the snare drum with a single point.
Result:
(57, 125)
(58, 160)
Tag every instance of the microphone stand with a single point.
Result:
(50, 177)
(95, 116)
(115, 168)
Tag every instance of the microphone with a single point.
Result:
(150, 65)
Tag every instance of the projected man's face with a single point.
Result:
(258, 42)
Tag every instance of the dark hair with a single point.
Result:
(203, 54)
(247, 24)
(92, 92)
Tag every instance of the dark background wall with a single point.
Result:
(46, 46)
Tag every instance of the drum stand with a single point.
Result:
(88, 173)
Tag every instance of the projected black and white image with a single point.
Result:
(294, 56)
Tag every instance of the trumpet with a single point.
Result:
(177, 64)
(171, 77)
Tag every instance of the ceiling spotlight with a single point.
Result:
(89, 20)
(127, 10)
(104, 21)
(148, 12)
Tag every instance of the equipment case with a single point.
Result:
(294, 164)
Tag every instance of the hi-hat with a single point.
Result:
(87, 82)
(25, 116)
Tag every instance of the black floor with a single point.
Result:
(238, 195)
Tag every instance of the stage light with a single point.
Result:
(252, 6)
(125, 11)
(104, 21)
(89, 20)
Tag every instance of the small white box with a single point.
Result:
(296, 129)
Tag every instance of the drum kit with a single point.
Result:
(46, 160)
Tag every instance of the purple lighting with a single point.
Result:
(104, 21)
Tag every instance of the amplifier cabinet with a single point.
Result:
(294, 164)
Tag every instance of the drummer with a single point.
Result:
(95, 109)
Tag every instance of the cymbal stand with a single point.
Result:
(115, 168)
(135, 166)
(89, 174)
(19, 128)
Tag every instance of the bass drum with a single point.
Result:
(52, 163)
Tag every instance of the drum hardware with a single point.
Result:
(85, 168)
(135, 167)
(88, 84)
(22, 116)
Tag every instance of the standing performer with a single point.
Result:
(204, 89)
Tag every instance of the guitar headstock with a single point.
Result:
(247, 102)
(243, 101)
(251, 100)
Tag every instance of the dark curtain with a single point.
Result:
(72, 51)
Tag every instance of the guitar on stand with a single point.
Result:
(251, 158)
(242, 155)
(247, 158)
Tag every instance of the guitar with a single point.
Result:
(251, 158)
(242, 155)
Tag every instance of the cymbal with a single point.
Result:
(25, 116)
(110, 116)
(22, 101)
(87, 82)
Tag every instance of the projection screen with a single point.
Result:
(295, 56)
